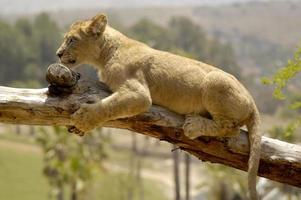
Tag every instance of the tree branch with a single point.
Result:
(280, 161)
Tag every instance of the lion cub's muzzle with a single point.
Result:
(65, 58)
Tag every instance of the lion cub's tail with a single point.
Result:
(255, 148)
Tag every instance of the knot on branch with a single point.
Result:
(61, 79)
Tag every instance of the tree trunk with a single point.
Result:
(32, 130)
(18, 129)
(141, 155)
(132, 167)
(187, 176)
(60, 194)
(73, 191)
(176, 164)
(223, 191)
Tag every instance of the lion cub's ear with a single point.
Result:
(98, 24)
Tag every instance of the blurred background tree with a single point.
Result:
(284, 90)
(27, 48)
(291, 95)
(70, 161)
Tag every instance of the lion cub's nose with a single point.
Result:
(59, 53)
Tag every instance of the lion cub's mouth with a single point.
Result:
(70, 61)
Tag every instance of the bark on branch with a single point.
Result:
(280, 161)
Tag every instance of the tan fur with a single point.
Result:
(215, 103)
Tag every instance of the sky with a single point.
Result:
(32, 6)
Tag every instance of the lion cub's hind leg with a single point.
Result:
(226, 101)
(196, 126)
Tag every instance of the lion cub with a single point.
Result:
(139, 76)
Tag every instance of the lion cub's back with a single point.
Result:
(175, 82)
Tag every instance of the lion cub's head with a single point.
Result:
(80, 42)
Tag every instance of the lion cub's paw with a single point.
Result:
(191, 128)
(85, 119)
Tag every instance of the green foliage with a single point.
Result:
(296, 105)
(284, 75)
(224, 181)
(115, 186)
(286, 133)
(12, 53)
(150, 33)
(47, 38)
(280, 80)
(188, 36)
(70, 160)
(27, 48)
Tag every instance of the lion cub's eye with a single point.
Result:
(73, 40)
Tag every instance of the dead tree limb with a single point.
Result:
(280, 161)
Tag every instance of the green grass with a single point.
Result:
(116, 186)
(21, 176)
(21, 179)
(24, 139)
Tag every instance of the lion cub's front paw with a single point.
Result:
(85, 119)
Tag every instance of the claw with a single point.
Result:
(81, 134)
(73, 129)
